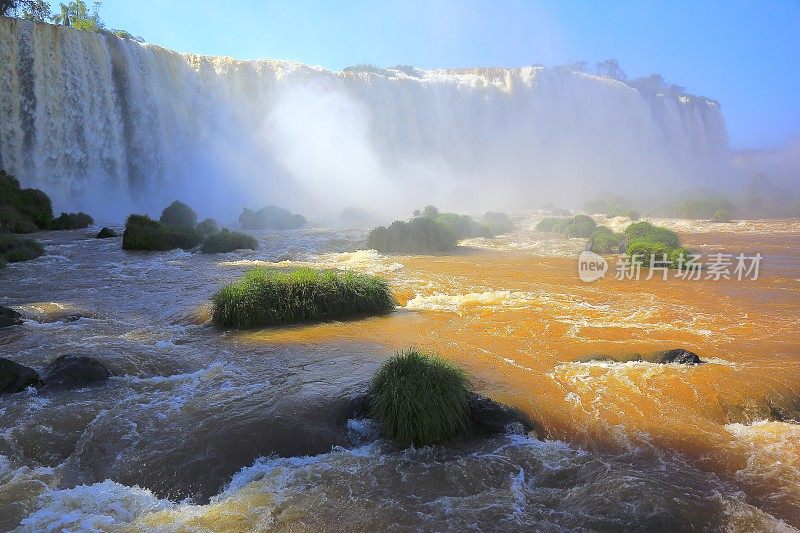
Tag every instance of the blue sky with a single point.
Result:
(746, 54)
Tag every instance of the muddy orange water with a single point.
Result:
(248, 425)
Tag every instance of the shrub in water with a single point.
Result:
(604, 241)
(32, 205)
(697, 208)
(551, 224)
(178, 214)
(577, 226)
(144, 233)
(208, 226)
(420, 235)
(71, 221)
(12, 221)
(228, 241)
(420, 399)
(648, 252)
(721, 216)
(269, 297)
(270, 217)
(498, 223)
(15, 249)
(647, 231)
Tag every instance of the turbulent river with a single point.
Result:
(248, 431)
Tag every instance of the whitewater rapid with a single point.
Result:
(84, 116)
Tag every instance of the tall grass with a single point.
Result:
(420, 235)
(270, 297)
(228, 241)
(420, 399)
(144, 233)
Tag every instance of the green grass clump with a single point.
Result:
(71, 221)
(270, 217)
(498, 223)
(650, 232)
(577, 226)
(604, 241)
(270, 297)
(16, 249)
(178, 214)
(228, 241)
(419, 235)
(207, 227)
(144, 233)
(31, 207)
(420, 399)
(645, 239)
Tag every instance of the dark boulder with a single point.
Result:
(73, 371)
(679, 356)
(9, 317)
(15, 377)
(491, 418)
(107, 233)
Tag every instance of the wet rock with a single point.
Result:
(15, 377)
(107, 233)
(72, 371)
(491, 418)
(9, 317)
(487, 417)
(679, 356)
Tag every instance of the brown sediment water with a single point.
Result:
(249, 425)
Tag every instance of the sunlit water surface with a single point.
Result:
(248, 431)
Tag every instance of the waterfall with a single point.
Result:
(89, 117)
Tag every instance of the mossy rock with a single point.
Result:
(271, 297)
(106, 233)
(228, 241)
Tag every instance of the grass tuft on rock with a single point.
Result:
(78, 220)
(228, 241)
(271, 297)
(16, 249)
(418, 398)
(144, 233)
(654, 245)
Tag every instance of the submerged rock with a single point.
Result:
(491, 418)
(679, 356)
(107, 233)
(71, 371)
(15, 377)
(9, 317)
